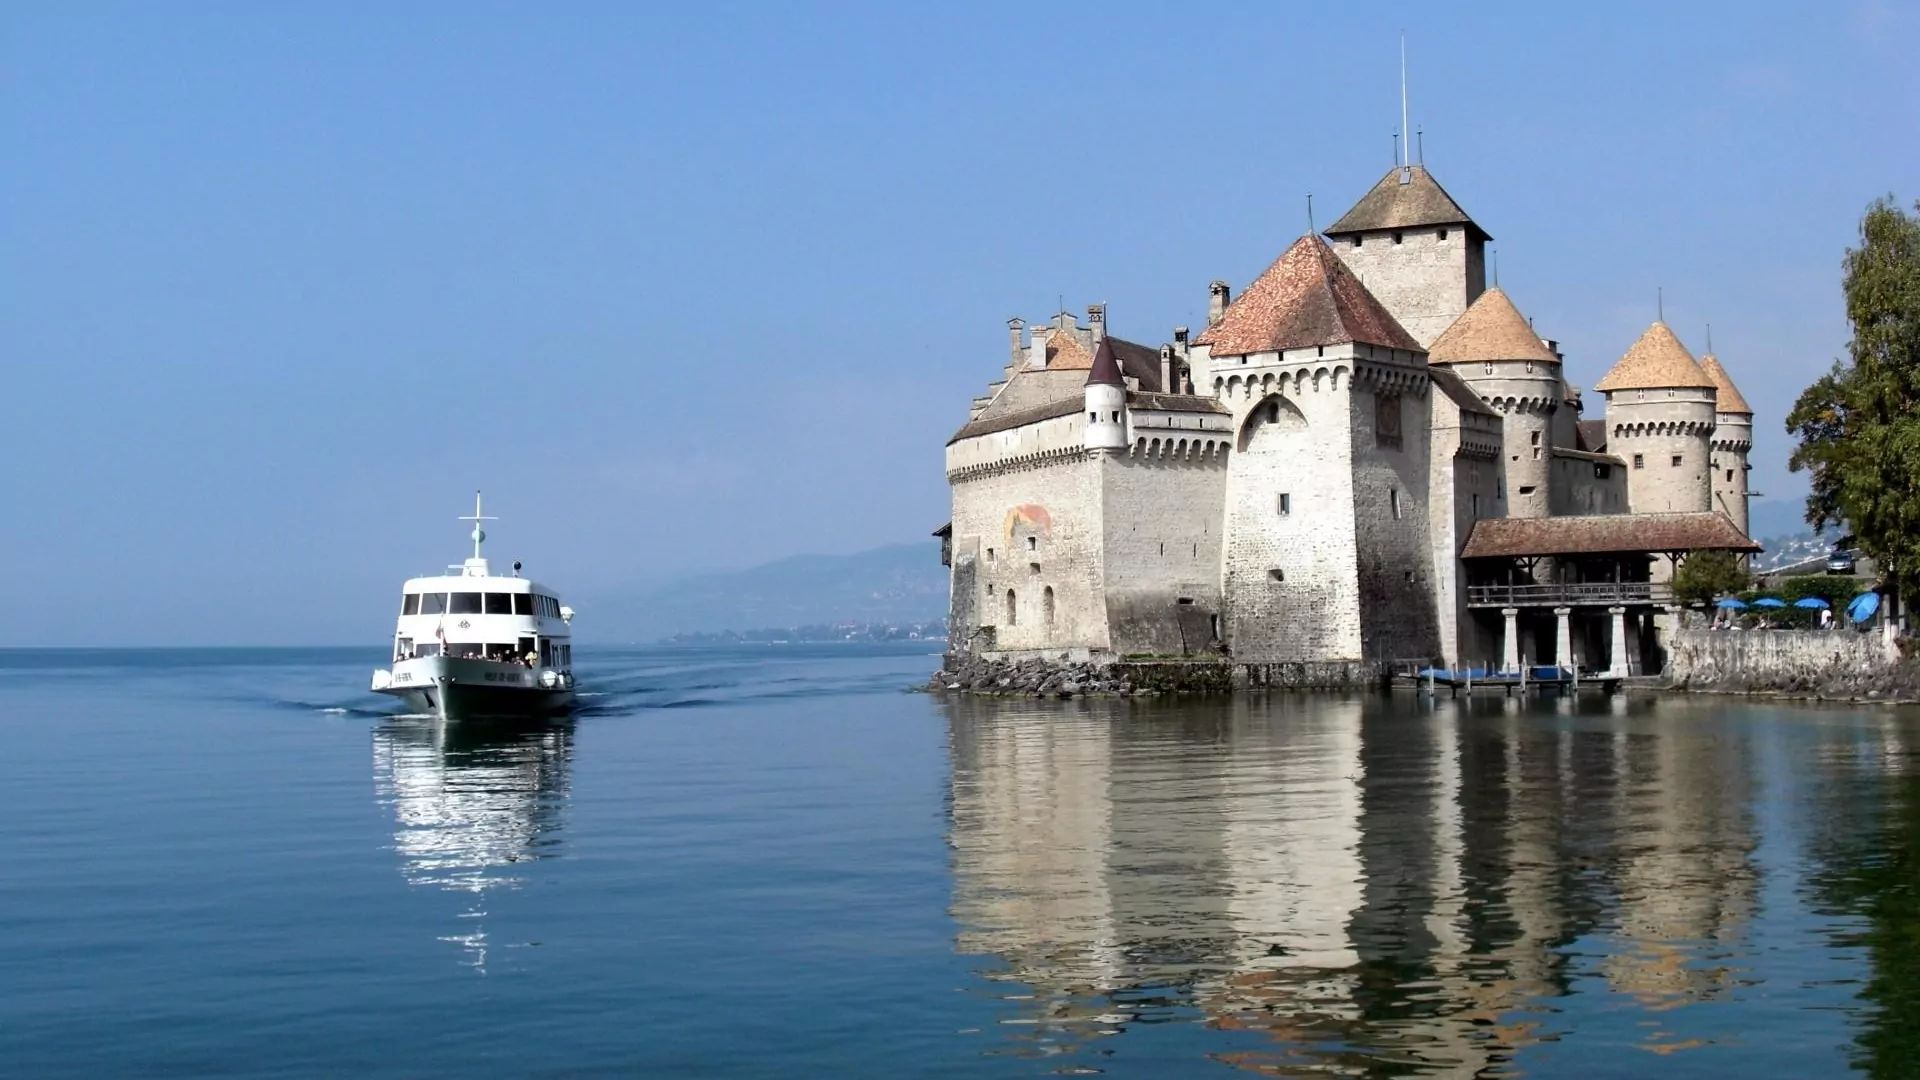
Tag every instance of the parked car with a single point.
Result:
(1840, 562)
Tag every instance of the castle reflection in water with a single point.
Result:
(1355, 879)
(471, 803)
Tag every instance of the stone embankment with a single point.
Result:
(1837, 665)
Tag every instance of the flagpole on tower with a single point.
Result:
(1403, 96)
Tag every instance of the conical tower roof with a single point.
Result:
(1727, 397)
(1307, 297)
(1106, 368)
(1407, 197)
(1656, 361)
(1491, 329)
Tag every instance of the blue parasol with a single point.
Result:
(1813, 602)
(1769, 601)
(1731, 603)
(1862, 607)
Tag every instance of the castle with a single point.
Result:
(1366, 457)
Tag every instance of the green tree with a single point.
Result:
(1705, 575)
(1859, 425)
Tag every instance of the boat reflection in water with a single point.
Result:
(472, 802)
(1332, 884)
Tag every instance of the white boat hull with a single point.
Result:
(454, 688)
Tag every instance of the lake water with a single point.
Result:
(777, 862)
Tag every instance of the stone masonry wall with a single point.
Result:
(1424, 281)
(1289, 571)
(1390, 478)
(1830, 664)
(1732, 439)
(1162, 533)
(1024, 529)
(1659, 428)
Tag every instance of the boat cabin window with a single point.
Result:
(433, 603)
(464, 603)
(403, 648)
(410, 604)
(546, 653)
(468, 650)
(499, 603)
(427, 649)
(522, 603)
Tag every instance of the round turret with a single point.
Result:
(1106, 402)
(1494, 350)
(1660, 420)
(1732, 439)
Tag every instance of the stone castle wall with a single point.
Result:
(1464, 473)
(1583, 485)
(1024, 529)
(1290, 579)
(1390, 495)
(1425, 281)
(1163, 512)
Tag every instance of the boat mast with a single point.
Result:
(479, 534)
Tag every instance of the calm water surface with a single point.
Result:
(776, 862)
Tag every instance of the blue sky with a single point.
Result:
(699, 287)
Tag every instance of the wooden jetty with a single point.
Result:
(1536, 677)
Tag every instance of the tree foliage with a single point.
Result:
(1859, 424)
(1706, 575)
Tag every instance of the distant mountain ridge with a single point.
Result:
(899, 583)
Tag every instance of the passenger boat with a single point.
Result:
(470, 644)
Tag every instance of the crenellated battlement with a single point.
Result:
(1169, 450)
(1663, 429)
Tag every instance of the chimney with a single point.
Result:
(1097, 318)
(1014, 327)
(1219, 296)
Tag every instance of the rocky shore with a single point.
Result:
(1028, 678)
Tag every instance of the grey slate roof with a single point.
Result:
(1193, 403)
(1405, 198)
(987, 425)
(1141, 362)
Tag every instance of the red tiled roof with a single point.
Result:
(1490, 329)
(1307, 297)
(1602, 534)
(1656, 361)
(1727, 397)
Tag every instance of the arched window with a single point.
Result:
(1046, 604)
(1013, 611)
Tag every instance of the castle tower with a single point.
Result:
(1494, 350)
(1106, 402)
(1414, 248)
(1732, 439)
(1660, 418)
(1325, 554)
